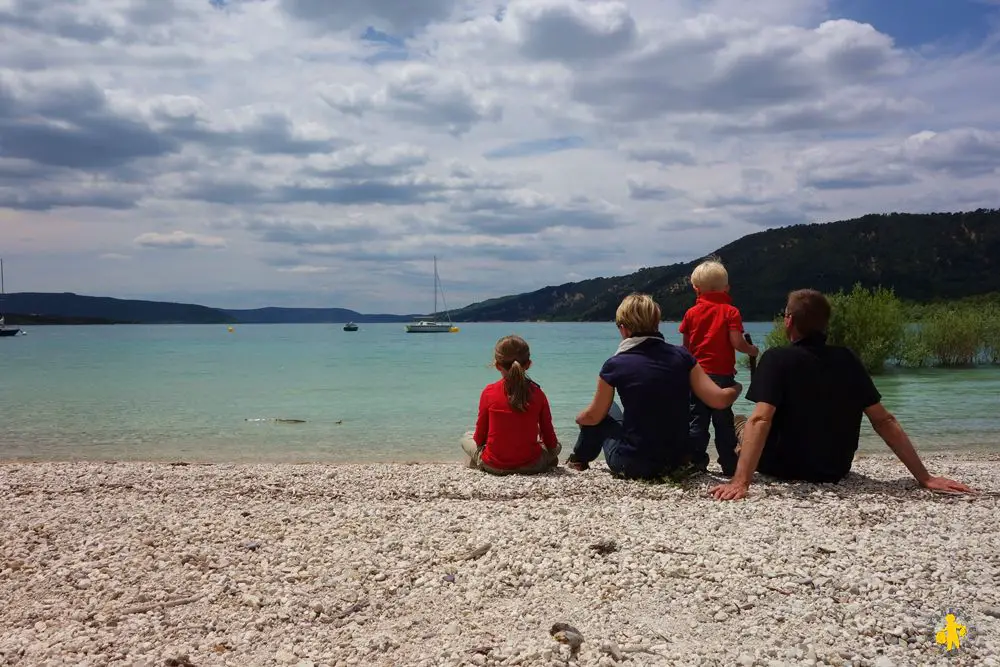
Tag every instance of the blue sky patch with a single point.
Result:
(913, 23)
(390, 48)
(536, 147)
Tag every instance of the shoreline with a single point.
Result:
(131, 563)
(985, 453)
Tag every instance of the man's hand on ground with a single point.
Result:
(730, 491)
(945, 485)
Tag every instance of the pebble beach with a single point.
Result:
(435, 564)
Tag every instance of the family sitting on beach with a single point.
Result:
(809, 396)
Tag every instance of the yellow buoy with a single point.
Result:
(230, 329)
(453, 330)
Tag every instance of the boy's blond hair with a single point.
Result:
(638, 313)
(710, 276)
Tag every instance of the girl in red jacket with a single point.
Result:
(514, 431)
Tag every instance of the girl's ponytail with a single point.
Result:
(513, 356)
(517, 387)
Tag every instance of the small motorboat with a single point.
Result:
(350, 326)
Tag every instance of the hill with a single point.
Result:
(274, 315)
(923, 257)
(69, 305)
(17, 319)
(69, 308)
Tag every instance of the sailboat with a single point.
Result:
(428, 326)
(4, 331)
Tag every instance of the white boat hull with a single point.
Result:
(428, 327)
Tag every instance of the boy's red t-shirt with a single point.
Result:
(512, 438)
(706, 326)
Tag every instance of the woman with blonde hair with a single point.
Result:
(648, 438)
(514, 432)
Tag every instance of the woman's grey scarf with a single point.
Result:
(634, 341)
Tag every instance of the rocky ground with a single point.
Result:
(435, 564)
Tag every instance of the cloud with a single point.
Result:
(45, 199)
(529, 212)
(306, 268)
(71, 124)
(960, 152)
(341, 146)
(852, 177)
(855, 110)
(713, 65)
(663, 155)
(691, 225)
(776, 216)
(309, 234)
(264, 133)
(178, 240)
(386, 14)
(422, 95)
(642, 190)
(569, 30)
(365, 162)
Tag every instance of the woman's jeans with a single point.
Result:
(609, 436)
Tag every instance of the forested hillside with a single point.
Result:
(923, 257)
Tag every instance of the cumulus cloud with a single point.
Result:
(178, 240)
(664, 155)
(644, 190)
(529, 212)
(570, 30)
(711, 64)
(961, 152)
(567, 138)
(422, 95)
(387, 14)
(70, 123)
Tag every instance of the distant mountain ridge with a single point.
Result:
(923, 257)
(277, 315)
(70, 308)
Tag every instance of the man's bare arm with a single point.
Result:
(754, 436)
(892, 433)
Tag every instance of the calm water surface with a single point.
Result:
(170, 392)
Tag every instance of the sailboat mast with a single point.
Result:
(435, 284)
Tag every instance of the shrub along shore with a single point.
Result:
(884, 331)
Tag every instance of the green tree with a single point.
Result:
(954, 334)
(870, 322)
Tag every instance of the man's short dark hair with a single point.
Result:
(809, 310)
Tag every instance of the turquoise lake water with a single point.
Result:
(185, 392)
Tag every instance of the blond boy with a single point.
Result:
(713, 333)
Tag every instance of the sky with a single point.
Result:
(242, 153)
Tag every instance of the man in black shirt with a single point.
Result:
(810, 397)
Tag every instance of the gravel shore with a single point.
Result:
(436, 564)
